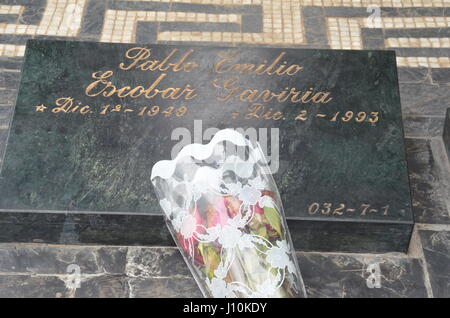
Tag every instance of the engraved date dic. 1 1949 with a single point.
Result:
(67, 105)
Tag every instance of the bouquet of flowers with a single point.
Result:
(226, 217)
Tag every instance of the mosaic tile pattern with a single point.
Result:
(419, 32)
(282, 22)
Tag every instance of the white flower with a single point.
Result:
(188, 226)
(219, 288)
(166, 206)
(258, 183)
(278, 256)
(196, 192)
(237, 221)
(229, 236)
(212, 233)
(249, 195)
(266, 201)
(221, 271)
(266, 289)
(177, 221)
(246, 241)
(233, 188)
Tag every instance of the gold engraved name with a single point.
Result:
(232, 89)
(139, 58)
(103, 87)
(275, 67)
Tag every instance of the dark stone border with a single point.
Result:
(446, 136)
(150, 230)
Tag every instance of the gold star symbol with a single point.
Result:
(40, 108)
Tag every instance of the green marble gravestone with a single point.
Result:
(91, 119)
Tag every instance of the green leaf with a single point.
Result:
(262, 231)
(201, 250)
(211, 258)
(273, 218)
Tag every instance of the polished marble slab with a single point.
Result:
(81, 145)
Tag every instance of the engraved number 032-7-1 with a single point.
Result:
(327, 208)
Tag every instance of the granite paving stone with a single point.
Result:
(436, 249)
(429, 181)
(441, 76)
(155, 262)
(7, 97)
(28, 286)
(423, 99)
(11, 63)
(103, 286)
(164, 287)
(38, 259)
(408, 75)
(328, 275)
(9, 79)
(423, 126)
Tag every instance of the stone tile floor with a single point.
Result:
(418, 30)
